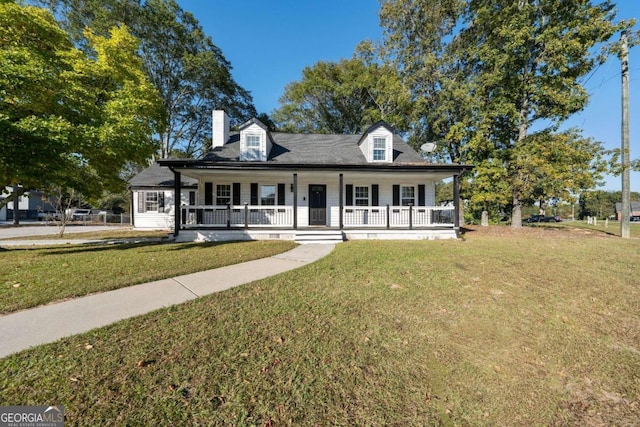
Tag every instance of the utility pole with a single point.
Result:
(626, 174)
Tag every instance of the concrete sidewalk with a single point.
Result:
(40, 325)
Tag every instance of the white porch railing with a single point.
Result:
(237, 216)
(282, 216)
(398, 216)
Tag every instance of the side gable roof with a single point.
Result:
(313, 151)
(289, 148)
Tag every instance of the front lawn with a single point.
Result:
(612, 227)
(36, 276)
(511, 328)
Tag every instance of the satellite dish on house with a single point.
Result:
(428, 147)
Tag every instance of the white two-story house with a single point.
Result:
(257, 184)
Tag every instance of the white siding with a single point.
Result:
(155, 220)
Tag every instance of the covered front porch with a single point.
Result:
(255, 202)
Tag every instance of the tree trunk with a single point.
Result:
(516, 214)
(16, 205)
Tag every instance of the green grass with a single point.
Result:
(536, 327)
(613, 227)
(32, 277)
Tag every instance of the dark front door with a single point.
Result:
(317, 204)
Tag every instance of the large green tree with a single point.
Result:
(187, 68)
(552, 166)
(68, 120)
(531, 56)
(343, 97)
(484, 73)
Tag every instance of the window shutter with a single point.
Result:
(141, 199)
(421, 195)
(208, 193)
(161, 201)
(281, 194)
(374, 195)
(236, 193)
(254, 193)
(348, 196)
(396, 195)
(192, 198)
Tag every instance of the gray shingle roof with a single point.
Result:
(159, 176)
(315, 149)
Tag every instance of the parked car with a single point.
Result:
(49, 216)
(80, 214)
(542, 218)
(535, 218)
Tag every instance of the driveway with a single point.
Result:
(7, 231)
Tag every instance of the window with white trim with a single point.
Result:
(407, 196)
(150, 201)
(253, 144)
(379, 149)
(223, 194)
(361, 196)
(268, 195)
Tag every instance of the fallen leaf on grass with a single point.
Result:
(273, 364)
(75, 379)
(145, 363)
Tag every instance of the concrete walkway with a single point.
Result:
(48, 323)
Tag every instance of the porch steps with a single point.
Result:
(319, 236)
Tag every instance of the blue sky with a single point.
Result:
(268, 43)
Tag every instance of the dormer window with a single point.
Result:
(254, 148)
(255, 141)
(377, 143)
(379, 149)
